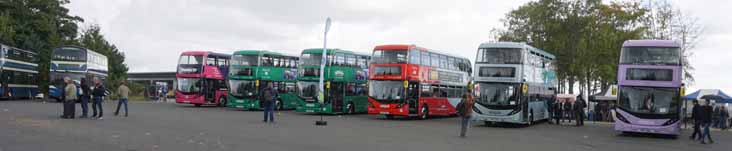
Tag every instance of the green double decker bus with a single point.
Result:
(249, 72)
(345, 77)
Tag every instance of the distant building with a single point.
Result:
(153, 81)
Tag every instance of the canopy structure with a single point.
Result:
(720, 96)
(566, 98)
(610, 94)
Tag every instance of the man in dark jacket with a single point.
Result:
(706, 117)
(568, 111)
(85, 96)
(557, 111)
(98, 93)
(695, 116)
(579, 111)
(269, 97)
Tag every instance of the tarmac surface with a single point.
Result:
(36, 126)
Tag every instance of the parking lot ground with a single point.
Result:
(36, 126)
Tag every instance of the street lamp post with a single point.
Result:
(321, 95)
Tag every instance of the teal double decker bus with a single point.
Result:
(249, 72)
(345, 77)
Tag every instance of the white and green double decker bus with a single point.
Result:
(249, 72)
(345, 77)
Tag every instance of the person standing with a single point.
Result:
(696, 118)
(99, 93)
(724, 115)
(269, 95)
(85, 97)
(70, 96)
(715, 117)
(466, 112)
(123, 91)
(579, 111)
(558, 112)
(568, 111)
(706, 116)
(550, 109)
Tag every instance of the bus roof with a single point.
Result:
(651, 43)
(204, 53)
(519, 45)
(332, 50)
(261, 52)
(412, 46)
(24, 50)
(88, 51)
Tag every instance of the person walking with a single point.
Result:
(696, 118)
(70, 96)
(98, 93)
(123, 91)
(466, 112)
(268, 97)
(706, 117)
(85, 97)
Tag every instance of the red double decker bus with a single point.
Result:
(406, 80)
(201, 78)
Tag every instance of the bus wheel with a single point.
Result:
(425, 112)
(222, 102)
(197, 105)
(278, 104)
(351, 108)
(389, 117)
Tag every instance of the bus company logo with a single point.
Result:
(339, 73)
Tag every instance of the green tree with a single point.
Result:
(38, 25)
(585, 35)
(92, 38)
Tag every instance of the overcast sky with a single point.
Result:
(153, 33)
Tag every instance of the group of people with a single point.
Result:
(721, 118)
(83, 92)
(702, 116)
(565, 111)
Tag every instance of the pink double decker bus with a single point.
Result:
(201, 78)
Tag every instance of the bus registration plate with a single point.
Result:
(309, 111)
(310, 105)
(384, 113)
(384, 106)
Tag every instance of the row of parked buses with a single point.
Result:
(19, 70)
(513, 82)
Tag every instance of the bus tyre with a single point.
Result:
(350, 108)
(425, 112)
(389, 116)
(222, 102)
(197, 105)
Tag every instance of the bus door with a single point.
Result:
(210, 90)
(336, 93)
(412, 99)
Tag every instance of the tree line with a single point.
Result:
(587, 35)
(41, 25)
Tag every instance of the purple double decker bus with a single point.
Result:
(649, 83)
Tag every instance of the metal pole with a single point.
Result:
(321, 95)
